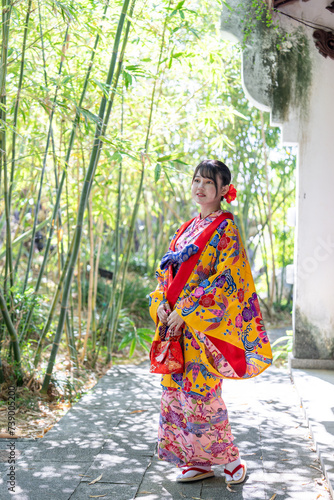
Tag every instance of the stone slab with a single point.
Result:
(296, 486)
(169, 490)
(159, 483)
(44, 481)
(75, 449)
(131, 443)
(219, 490)
(81, 421)
(119, 468)
(109, 491)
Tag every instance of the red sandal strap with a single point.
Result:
(194, 468)
(240, 466)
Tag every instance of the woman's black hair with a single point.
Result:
(210, 169)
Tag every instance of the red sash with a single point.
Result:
(233, 355)
(176, 285)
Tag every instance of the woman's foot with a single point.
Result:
(235, 472)
(194, 474)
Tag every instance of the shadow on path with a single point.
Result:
(112, 432)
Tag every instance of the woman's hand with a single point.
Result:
(174, 322)
(163, 311)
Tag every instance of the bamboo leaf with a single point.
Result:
(179, 5)
(116, 156)
(102, 86)
(157, 172)
(144, 344)
(96, 480)
(145, 331)
(172, 156)
(132, 347)
(126, 340)
(88, 115)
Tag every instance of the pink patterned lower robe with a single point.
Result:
(194, 430)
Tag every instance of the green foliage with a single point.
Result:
(22, 303)
(254, 15)
(198, 110)
(135, 301)
(282, 351)
(133, 336)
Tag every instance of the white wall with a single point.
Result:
(314, 239)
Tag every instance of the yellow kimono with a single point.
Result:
(223, 332)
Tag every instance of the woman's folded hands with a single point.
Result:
(170, 318)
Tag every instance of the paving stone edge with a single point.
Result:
(313, 434)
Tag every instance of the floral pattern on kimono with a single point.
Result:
(224, 306)
(194, 430)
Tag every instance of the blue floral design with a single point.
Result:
(215, 241)
(205, 283)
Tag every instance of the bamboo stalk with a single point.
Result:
(44, 163)
(91, 278)
(279, 299)
(13, 335)
(6, 14)
(113, 86)
(42, 42)
(47, 247)
(147, 226)
(18, 95)
(264, 252)
(70, 341)
(111, 306)
(79, 272)
(53, 307)
(84, 197)
(96, 277)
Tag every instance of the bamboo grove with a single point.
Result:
(106, 108)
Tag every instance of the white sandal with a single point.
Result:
(188, 474)
(227, 473)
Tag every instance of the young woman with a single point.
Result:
(206, 297)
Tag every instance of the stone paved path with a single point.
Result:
(112, 432)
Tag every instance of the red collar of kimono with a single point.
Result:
(176, 285)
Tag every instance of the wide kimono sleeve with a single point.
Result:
(158, 296)
(225, 306)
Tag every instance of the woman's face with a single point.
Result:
(203, 191)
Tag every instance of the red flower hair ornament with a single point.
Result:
(231, 194)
